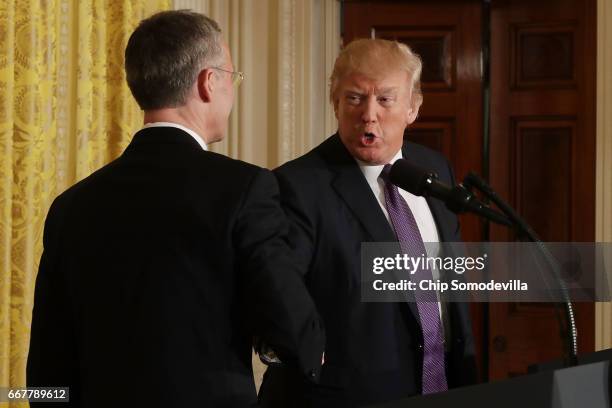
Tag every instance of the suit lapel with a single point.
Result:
(437, 210)
(352, 187)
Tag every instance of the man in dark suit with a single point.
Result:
(160, 268)
(338, 196)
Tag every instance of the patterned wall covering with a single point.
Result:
(65, 110)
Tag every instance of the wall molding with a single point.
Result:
(603, 217)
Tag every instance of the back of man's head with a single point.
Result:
(165, 54)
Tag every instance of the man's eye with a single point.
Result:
(353, 99)
(385, 100)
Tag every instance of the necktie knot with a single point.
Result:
(384, 174)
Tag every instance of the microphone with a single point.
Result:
(458, 199)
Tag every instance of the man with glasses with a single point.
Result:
(160, 268)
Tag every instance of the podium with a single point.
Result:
(586, 385)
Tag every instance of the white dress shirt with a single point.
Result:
(193, 134)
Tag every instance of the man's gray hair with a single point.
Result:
(165, 54)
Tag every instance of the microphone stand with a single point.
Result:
(570, 337)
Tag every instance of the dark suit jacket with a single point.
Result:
(374, 350)
(157, 272)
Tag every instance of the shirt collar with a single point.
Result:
(193, 134)
(371, 172)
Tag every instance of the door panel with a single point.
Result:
(542, 155)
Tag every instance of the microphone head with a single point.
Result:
(409, 177)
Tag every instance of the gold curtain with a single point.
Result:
(65, 110)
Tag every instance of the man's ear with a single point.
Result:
(206, 84)
(335, 102)
(413, 110)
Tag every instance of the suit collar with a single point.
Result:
(198, 138)
(162, 136)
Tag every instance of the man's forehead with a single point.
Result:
(376, 90)
(391, 82)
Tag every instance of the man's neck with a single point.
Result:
(179, 116)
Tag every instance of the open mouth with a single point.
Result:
(368, 138)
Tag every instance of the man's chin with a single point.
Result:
(370, 156)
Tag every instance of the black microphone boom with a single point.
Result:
(458, 199)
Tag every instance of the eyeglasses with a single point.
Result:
(237, 76)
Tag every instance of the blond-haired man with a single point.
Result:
(338, 197)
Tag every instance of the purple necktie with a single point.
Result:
(411, 242)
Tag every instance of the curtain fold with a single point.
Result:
(65, 110)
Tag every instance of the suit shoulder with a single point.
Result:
(228, 164)
(223, 160)
(309, 165)
(304, 175)
(429, 159)
(423, 151)
(73, 190)
(61, 204)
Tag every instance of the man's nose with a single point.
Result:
(370, 111)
